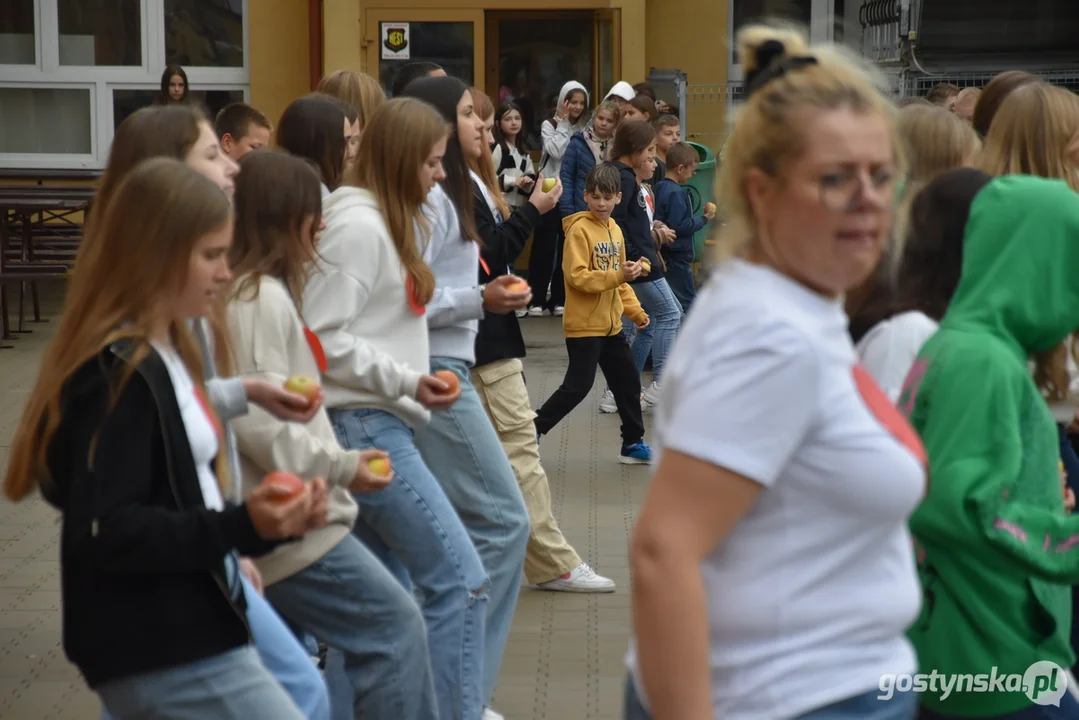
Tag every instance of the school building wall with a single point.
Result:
(279, 33)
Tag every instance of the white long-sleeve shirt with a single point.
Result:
(889, 349)
(357, 302)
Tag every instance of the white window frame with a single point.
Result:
(48, 73)
(821, 29)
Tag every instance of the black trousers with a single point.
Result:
(611, 355)
(545, 263)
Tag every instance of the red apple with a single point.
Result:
(450, 378)
(286, 481)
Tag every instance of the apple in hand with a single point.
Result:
(451, 380)
(285, 481)
(646, 265)
(302, 385)
(379, 466)
(549, 183)
(709, 208)
(518, 286)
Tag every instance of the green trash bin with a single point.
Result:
(701, 190)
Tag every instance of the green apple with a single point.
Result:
(549, 183)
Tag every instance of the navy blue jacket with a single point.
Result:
(673, 210)
(632, 217)
(576, 164)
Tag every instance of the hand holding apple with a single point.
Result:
(710, 210)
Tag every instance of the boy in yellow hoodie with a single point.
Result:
(596, 271)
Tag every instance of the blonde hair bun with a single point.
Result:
(756, 38)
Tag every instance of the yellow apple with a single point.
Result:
(646, 265)
(302, 385)
(380, 466)
(549, 183)
(709, 208)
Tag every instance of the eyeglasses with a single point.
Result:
(842, 191)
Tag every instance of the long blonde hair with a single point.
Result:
(485, 166)
(394, 147)
(1035, 132)
(141, 250)
(358, 89)
(767, 135)
(936, 140)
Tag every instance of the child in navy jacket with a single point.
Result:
(673, 209)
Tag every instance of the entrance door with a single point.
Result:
(530, 55)
(452, 38)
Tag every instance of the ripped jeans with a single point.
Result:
(412, 527)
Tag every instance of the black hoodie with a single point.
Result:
(632, 217)
(142, 560)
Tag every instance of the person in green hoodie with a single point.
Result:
(997, 551)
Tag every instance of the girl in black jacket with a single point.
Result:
(120, 437)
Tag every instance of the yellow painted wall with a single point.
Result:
(280, 54)
(691, 35)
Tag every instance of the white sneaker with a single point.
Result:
(607, 405)
(535, 311)
(582, 579)
(489, 714)
(646, 406)
(559, 311)
(520, 313)
(651, 394)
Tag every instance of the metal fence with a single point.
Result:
(728, 94)
(919, 85)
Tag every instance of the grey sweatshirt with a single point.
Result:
(455, 310)
(228, 398)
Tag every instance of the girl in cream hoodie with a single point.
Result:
(367, 302)
(328, 584)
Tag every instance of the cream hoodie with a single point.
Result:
(357, 303)
(268, 342)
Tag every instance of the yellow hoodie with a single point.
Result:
(596, 289)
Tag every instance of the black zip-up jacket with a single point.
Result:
(632, 216)
(499, 336)
(142, 560)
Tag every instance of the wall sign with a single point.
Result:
(395, 41)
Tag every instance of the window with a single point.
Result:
(204, 33)
(17, 45)
(73, 70)
(817, 17)
(447, 43)
(100, 32)
(50, 121)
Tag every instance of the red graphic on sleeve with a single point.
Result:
(215, 422)
(316, 348)
(886, 413)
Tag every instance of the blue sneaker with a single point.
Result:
(636, 454)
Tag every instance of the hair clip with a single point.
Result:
(772, 62)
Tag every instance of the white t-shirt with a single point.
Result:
(200, 431)
(810, 595)
(889, 349)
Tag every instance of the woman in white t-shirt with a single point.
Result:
(772, 567)
(928, 274)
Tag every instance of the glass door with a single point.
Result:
(608, 62)
(453, 39)
(530, 55)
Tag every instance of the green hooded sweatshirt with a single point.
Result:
(996, 551)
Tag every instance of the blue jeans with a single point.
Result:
(479, 481)
(351, 602)
(901, 706)
(666, 316)
(412, 527)
(680, 279)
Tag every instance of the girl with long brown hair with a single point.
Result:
(119, 436)
(498, 376)
(183, 133)
(329, 584)
(366, 301)
(473, 468)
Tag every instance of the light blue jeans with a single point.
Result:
(241, 684)
(901, 706)
(351, 602)
(412, 527)
(479, 481)
(665, 315)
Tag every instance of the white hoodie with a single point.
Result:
(357, 303)
(623, 90)
(556, 133)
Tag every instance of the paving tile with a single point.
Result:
(564, 659)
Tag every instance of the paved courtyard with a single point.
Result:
(564, 660)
